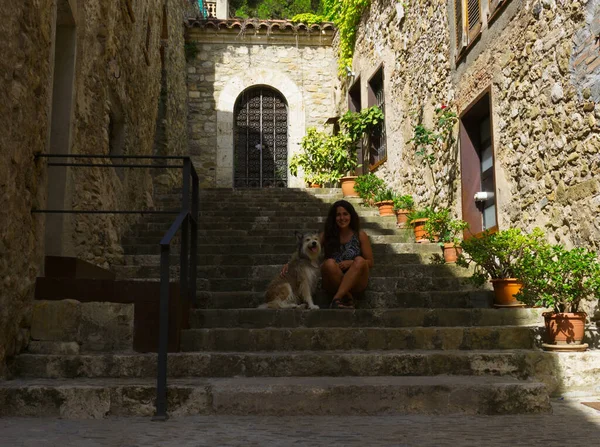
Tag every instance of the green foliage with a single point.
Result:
(273, 9)
(346, 15)
(384, 194)
(404, 202)
(499, 255)
(357, 124)
(427, 141)
(555, 277)
(191, 50)
(443, 227)
(368, 186)
(419, 214)
(325, 158)
(308, 18)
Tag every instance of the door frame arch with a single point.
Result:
(225, 112)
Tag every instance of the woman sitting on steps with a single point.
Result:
(348, 255)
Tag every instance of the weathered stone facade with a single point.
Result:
(545, 131)
(233, 56)
(98, 95)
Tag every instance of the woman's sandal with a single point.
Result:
(342, 303)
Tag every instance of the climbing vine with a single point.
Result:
(346, 15)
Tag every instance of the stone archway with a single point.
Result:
(225, 113)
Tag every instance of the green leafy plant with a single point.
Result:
(308, 18)
(442, 227)
(346, 15)
(555, 277)
(404, 202)
(368, 186)
(429, 143)
(325, 158)
(357, 124)
(423, 213)
(499, 255)
(384, 195)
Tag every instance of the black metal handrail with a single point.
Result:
(186, 220)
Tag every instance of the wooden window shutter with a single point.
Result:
(461, 36)
(473, 18)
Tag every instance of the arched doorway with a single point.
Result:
(260, 139)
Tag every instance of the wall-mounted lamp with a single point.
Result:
(349, 72)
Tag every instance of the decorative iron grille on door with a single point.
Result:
(260, 151)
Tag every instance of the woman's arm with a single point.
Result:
(366, 249)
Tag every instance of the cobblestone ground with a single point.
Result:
(570, 421)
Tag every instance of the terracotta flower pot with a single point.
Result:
(565, 331)
(386, 207)
(451, 252)
(419, 229)
(315, 185)
(402, 218)
(348, 186)
(505, 291)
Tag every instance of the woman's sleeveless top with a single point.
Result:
(348, 251)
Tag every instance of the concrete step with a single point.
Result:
(281, 218)
(368, 300)
(99, 398)
(512, 363)
(328, 338)
(409, 317)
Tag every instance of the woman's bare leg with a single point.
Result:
(355, 280)
(331, 276)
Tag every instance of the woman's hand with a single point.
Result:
(284, 270)
(345, 265)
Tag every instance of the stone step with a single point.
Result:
(376, 284)
(368, 300)
(235, 219)
(327, 338)
(512, 363)
(203, 239)
(99, 398)
(288, 226)
(286, 248)
(408, 317)
(259, 255)
(157, 234)
(411, 272)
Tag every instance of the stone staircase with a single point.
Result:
(421, 340)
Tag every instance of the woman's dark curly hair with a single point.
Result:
(331, 235)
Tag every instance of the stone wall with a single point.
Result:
(233, 56)
(412, 45)
(115, 87)
(27, 33)
(539, 60)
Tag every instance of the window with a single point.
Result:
(377, 153)
(467, 14)
(354, 103)
(477, 166)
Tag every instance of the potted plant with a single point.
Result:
(417, 219)
(403, 205)
(367, 187)
(561, 279)
(497, 256)
(324, 159)
(442, 228)
(384, 200)
(355, 125)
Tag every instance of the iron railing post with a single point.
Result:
(185, 238)
(194, 241)
(163, 337)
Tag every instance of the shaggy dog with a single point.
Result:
(300, 281)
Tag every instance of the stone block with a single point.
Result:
(56, 320)
(106, 326)
(54, 347)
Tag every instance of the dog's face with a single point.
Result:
(309, 245)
